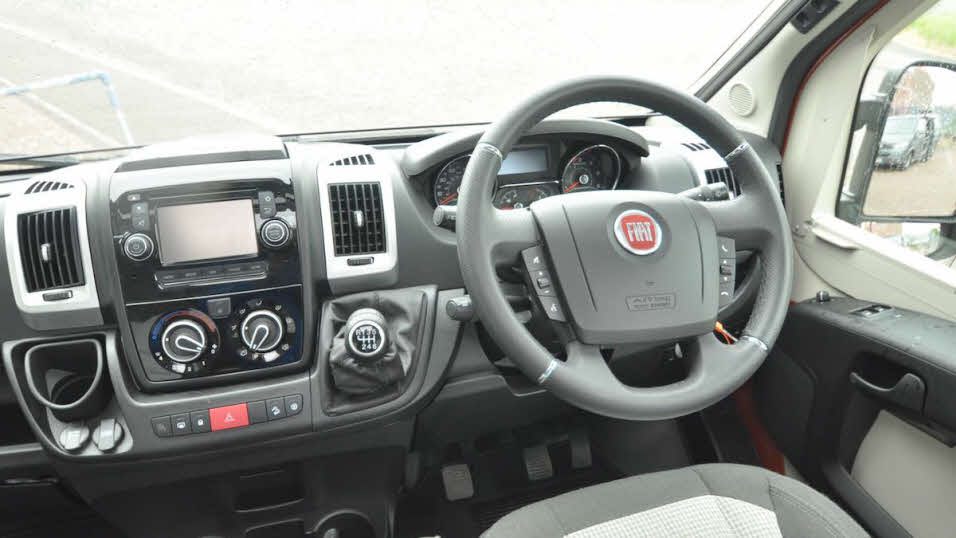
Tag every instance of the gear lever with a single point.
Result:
(366, 335)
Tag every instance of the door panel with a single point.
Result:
(910, 473)
(845, 373)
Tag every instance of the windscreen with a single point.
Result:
(108, 73)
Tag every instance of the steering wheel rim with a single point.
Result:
(756, 220)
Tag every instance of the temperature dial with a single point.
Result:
(262, 331)
(184, 341)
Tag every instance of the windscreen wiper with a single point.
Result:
(42, 160)
(19, 163)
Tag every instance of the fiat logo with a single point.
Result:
(638, 232)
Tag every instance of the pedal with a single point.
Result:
(537, 463)
(580, 448)
(457, 480)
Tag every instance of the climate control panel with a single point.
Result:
(204, 338)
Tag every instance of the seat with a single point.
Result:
(704, 500)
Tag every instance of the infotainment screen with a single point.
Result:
(206, 231)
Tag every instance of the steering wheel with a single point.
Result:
(633, 266)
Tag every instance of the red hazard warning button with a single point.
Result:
(230, 416)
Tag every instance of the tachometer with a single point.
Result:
(594, 167)
(448, 181)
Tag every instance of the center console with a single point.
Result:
(211, 278)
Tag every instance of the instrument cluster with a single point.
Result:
(527, 175)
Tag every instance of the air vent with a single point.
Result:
(45, 186)
(723, 175)
(358, 224)
(695, 146)
(354, 160)
(50, 249)
(783, 199)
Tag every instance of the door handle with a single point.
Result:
(909, 392)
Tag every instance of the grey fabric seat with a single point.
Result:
(704, 500)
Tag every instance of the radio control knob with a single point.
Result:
(184, 341)
(138, 247)
(262, 331)
(275, 233)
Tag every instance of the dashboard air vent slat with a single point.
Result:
(695, 146)
(723, 175)
(49, 249)
(358, 225)
(46, 185)
(354, 160)
(783, 198)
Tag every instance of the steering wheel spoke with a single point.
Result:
(738, 220)
(510, 232)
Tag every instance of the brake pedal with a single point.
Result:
(537, 463)
(457, 480)
(580, 448)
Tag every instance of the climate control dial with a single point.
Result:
(262, 331)
(185, 341)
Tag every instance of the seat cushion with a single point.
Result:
(703, 500)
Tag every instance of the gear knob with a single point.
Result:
(366, 335)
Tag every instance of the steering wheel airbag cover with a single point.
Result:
(616, 296)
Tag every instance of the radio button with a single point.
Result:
(168, 277)
(255, 267)
(215, 271)
(267, 204)
(138, 247)
(231, 270)
(275, 233)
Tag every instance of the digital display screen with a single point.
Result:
(525, 161)
(206, 231)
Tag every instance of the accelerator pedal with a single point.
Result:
(580, 448)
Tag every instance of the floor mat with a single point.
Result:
(501, 484)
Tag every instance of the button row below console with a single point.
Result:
(213, 273)
(227, 417)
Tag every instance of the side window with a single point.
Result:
(900, 181)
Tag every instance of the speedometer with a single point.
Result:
(448, 181)
(593, 168)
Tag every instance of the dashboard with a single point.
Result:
(210, 292)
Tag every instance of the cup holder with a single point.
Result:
(67, 378)
(345, 525)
